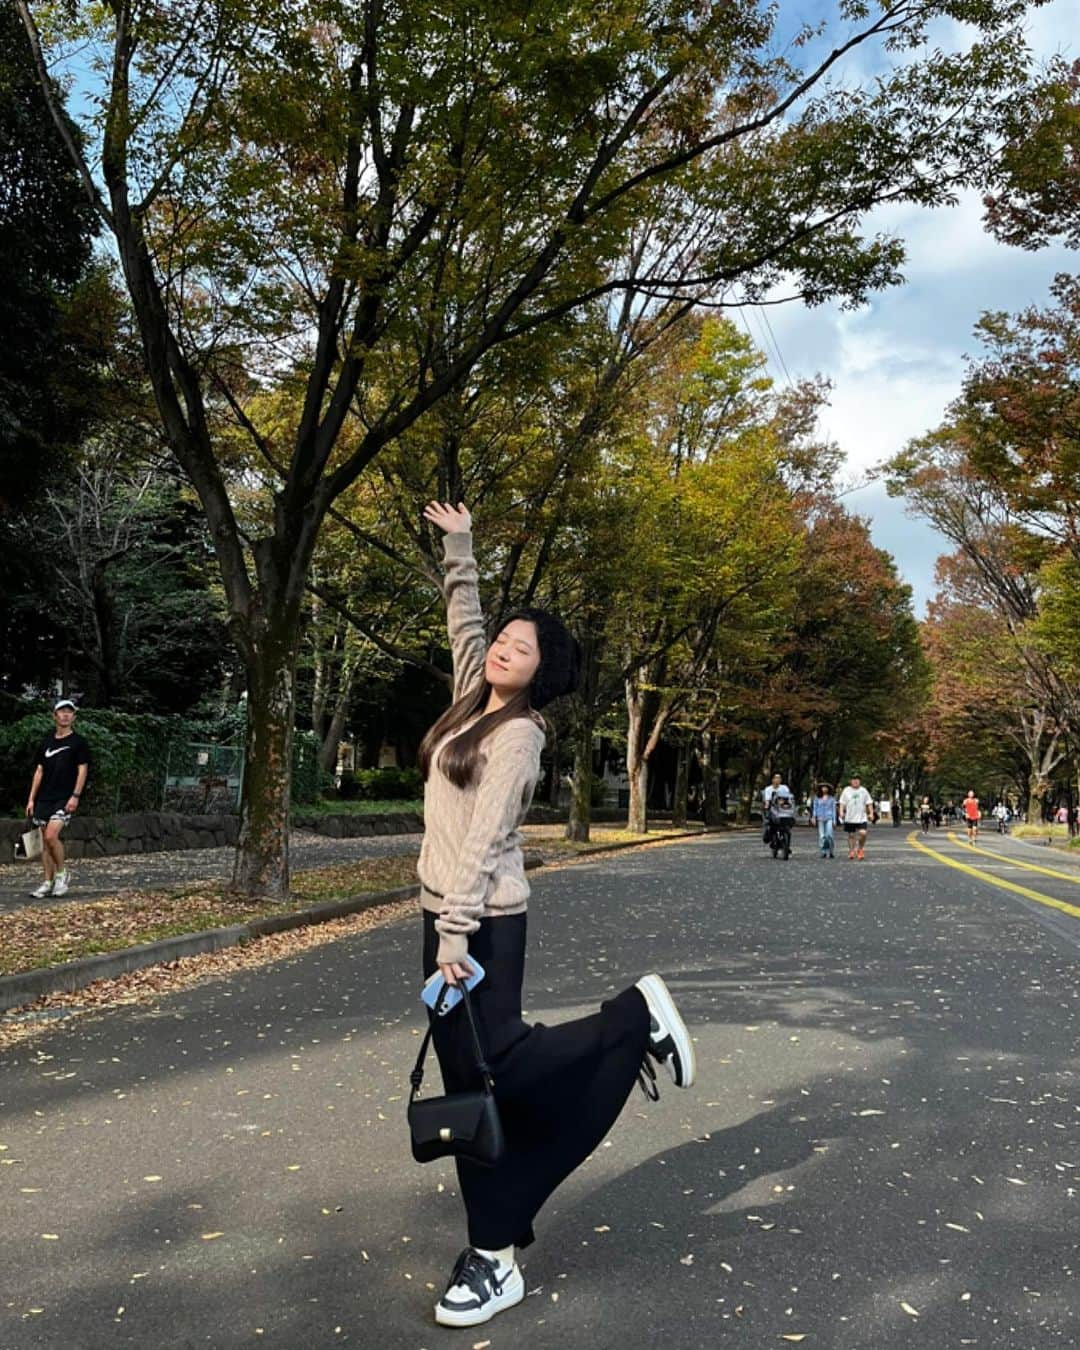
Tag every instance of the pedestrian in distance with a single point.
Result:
(766, 797)
(558, 1089)
(972, 815)
(926, 814)
(824, 816)
(856, 810)
(780, 815)
(60, 773)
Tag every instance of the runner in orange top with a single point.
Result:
(972, 814)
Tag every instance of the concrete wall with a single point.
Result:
(139, 832)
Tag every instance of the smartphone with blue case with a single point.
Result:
(441, 997)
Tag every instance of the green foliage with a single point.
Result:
(307, 777)
(399, 785)
(129, 754)
(46, 229)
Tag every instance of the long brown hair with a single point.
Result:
(459, 760)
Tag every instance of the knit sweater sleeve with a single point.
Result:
(505, 789)
(464, 617)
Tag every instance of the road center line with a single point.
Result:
(1012, 862)
(991, 880)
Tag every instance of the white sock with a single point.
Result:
(503, 1257)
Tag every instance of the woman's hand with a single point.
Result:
(449, 519)
(455, 971)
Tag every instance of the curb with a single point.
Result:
(26, 986)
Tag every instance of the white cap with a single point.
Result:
(64, 703)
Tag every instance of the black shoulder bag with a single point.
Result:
(462, 1124)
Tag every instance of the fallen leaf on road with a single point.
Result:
(911, 1312)
(209, 1237)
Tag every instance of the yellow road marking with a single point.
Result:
(1004, 885)
(1008, 858)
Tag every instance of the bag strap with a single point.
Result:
(416, 1078)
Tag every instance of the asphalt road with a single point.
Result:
(882, 1149)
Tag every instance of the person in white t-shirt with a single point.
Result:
(766, 797)
(856, 810)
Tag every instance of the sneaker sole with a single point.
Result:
(658, 996)
(513, 1293)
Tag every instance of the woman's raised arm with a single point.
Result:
(464, 617)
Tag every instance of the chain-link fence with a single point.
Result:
(202, 778)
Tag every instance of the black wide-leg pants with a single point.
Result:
(559, 1089)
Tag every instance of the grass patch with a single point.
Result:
(1055, 832)
(553, 843)
(31, 938)
(330, 806)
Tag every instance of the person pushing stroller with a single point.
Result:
(781, 818)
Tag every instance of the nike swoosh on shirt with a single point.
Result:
(49, 753)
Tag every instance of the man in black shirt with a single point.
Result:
(62, 765)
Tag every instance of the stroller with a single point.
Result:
(781, 821)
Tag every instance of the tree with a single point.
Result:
(46, 235)
(329, 184)
(1035, 179)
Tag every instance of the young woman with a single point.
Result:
(825, 819)
(559, 1089)
(926, 812)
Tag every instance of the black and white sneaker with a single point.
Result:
(479, 1288)
(669, 1040)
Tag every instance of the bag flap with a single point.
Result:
(462, 1113)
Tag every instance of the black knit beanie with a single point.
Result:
(560, 656)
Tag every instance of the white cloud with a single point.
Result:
(897, 362)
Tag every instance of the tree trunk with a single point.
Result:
(328, 750)
(637, 765)
(1037, 786)
(556, 777)
(682, 785)
(579, 826)
(710, 781)
(262, 856)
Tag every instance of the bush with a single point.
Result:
(368, 785)
(128, 750)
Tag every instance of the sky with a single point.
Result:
(898, 362)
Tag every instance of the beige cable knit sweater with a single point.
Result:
(471, 865)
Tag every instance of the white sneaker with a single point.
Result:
(46, 888)
(669, 1040)
(479, 1288)
(61, 883)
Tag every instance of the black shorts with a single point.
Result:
(852, 826)
(46, 811)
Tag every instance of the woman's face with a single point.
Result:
(514, 657)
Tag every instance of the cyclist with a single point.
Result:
(1001, 815)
